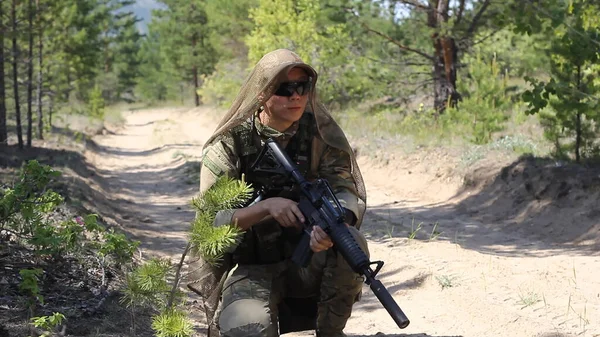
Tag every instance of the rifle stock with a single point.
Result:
(321, 208)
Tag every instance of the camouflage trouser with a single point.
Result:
(251, 294)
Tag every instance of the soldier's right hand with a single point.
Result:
(284, 211)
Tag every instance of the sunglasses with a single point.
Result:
(287, 89)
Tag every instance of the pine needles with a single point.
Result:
(172, 323)
(148, 285)
(212, 242)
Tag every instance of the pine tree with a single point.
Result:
(127, 61)
(74, 47)
(185, 40)
(119, 41)
(147, 285)
(572, 90)
(156, 84)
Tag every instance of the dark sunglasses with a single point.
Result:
(287, 89)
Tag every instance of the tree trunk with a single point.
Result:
(15, 50)
(50, 107)
(445, 58)
(578, 138)
(444, 77)
(196, 86)
(30, 76)
(40, 119)
(182, 92)
(3, 129)
(578, 129)
(195, 70)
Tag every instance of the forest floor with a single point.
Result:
(509, 247)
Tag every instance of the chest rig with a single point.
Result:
(267, 242)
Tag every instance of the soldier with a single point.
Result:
(263, 293)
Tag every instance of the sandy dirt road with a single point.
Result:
(455, 276)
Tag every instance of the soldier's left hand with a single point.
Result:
(319, 240)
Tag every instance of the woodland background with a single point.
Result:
(466, 68)
(520, 77)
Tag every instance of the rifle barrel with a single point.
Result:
(389, 304)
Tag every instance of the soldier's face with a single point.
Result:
(283, 110)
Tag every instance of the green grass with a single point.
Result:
(527, 299)
(447, 281)
(377, 134)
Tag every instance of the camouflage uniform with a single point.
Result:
(264, 284)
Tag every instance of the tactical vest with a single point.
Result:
(268, 242)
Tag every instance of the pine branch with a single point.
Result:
(474, 24)
(212, 242)
(396, 42)
(226, 193)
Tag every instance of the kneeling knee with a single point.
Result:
(246, 317)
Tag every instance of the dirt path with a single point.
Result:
(456, 277)
(150, 169)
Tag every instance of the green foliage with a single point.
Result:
(76, 44)
(344, 74)
(486, 103)
(30, 283)
(297, 34)
(117, 245)
(72, 50)
(147, 284)
(447, 281)
(96, 103)
(515, 144)
(155, 84)
(177, 50)
(222, 86)
(209, 241)
(521, 55)
(126, 62)
(48, 323)
(23, 206)
(228, 25)
(185, 52)
(30, 217)
(26, 211)
(226, 193)
(572, 91)
(172, 323)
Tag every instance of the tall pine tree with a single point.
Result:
(185, 41)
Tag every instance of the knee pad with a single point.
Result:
(247, 317)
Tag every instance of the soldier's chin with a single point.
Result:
(294, 114)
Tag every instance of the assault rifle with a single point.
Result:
(321, 208)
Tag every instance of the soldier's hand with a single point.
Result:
(284, 211)
(319, 240)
